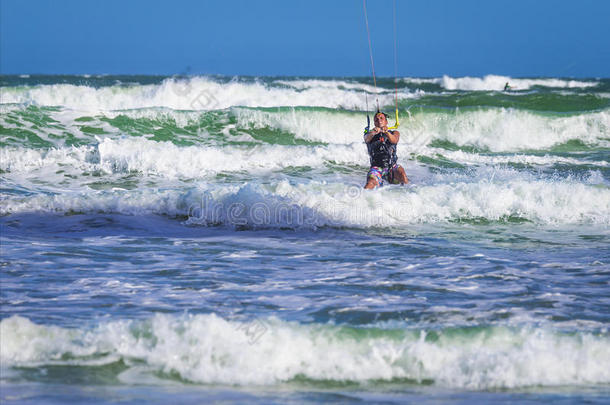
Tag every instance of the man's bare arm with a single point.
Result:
(394, 136)
(369, 135)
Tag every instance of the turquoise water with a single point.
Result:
(190, 238)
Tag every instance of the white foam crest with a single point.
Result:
(165, 159)
(129, 154)
(505, 130)
(331, 84)
(497, 83)
(211, 350)
(24, 342)
(318, 204)
(467, 158)
(23, 160)
(538, 201)
(420, 80)
(196, 93)
(117, 200)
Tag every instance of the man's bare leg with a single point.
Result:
(371, 183)
(400, 175)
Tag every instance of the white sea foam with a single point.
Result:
(23, 160)
(331, 84)
(170, 161)
(494, 82)
(420, 80)
(467, 158)
(318, 203)
(197, 162)
(196, 93)
(212, 350)
(502, 129)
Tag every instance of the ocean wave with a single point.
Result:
(504, 130)
(331, 84)
(494, 129)
(467, 158)
(194, 93)
(197, 162)
(168, 165)
(315, 126)
(212, 93)
(496, 83)
(316, 204)
(125, 155)
(208, 349)
(488, 129)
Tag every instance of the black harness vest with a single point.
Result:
(382, 152)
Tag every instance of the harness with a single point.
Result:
(382, 152)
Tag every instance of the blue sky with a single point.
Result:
(305, 38)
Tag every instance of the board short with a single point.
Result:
(382, 173)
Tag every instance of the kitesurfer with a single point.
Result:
(381, 145)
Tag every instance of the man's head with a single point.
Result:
(381, 119)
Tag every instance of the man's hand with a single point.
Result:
(378, 130)
(369, 135)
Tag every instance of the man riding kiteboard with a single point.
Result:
(381, 145)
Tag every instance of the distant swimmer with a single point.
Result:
(381, 145)
(507, 87)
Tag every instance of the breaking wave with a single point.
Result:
(322, 204)
(207, 349)
(496, 83)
